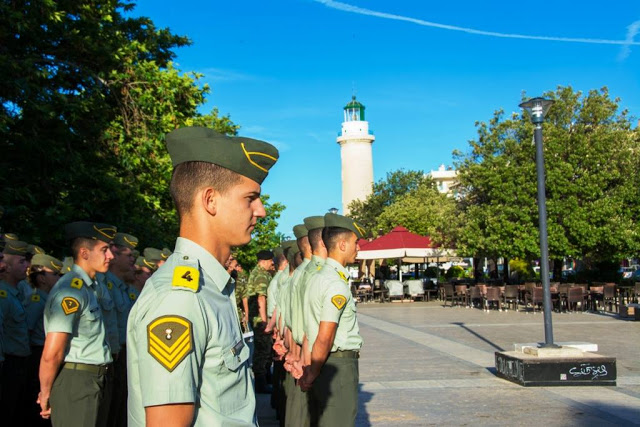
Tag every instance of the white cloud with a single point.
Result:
(222, 75)
(362, 11)
(632, 31)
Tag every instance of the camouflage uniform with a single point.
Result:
(257, 285)
(241, 292)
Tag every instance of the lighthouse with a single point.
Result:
(355, 151)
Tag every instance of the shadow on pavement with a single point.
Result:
(474, 333)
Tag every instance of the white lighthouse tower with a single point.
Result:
(357, 159)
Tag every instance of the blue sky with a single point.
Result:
(284, 69)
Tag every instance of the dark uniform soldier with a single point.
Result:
(257, 285)
(76, 355)
(187, 361)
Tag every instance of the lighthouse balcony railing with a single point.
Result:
(370, 132)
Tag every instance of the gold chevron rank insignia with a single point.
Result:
(70, 305)
(169, 340)
(339, 301)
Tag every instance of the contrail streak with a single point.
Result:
(361, 11)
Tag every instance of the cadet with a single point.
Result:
(76, 339)
(16, 334)
(187, 361)
(144, 269)
(332, 329)
(259, 280)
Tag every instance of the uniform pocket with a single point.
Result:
(234, 361)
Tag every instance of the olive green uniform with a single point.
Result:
(185, 344)
(77, 395)
(334, 394)
(16, 352)
(34, 306)
(272, 293)
(257, 285)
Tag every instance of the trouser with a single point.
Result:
(278, 397)
(262, 351)
(77, 396)
(118, 392)
(33, 388)
(15, 382)
(334, 395)
(297, 407)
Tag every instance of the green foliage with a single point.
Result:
(522, 268)
(385, 193)
(591, 161)
(264, 235)
(455, 272)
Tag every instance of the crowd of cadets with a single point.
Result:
(28, 276)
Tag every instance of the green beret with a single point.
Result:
(67, 264)
(166, 253)
(47, 261)
(90, 230)
(248, 157)
(152, 254)
(335, 220)
(314, 222)
(277, 252)
(16, 247)
(35, 250)
(125, 240)
(143, 262)
(300, 231)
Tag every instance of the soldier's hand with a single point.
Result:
(245, 318)
(306, 380)
(44, 406)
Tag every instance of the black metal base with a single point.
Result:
(531, 371)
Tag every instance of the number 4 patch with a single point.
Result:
(186, 277)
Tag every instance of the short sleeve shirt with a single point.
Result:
(295, 304)
(34, 307)
(73, 308)
(16, 332)
(312, 268)
(185, 345)
(108, 312)
(122, 303)
(329, 300)
(272, 293)
(283, 298)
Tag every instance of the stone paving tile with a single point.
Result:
(423, 364)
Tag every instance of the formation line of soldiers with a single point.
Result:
(63, 325)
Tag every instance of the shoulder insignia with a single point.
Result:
(35, 298)
(318, 268)
(77, 283)
(109, 285)
(186, 277)
(70, 305)
(3, 293)
(132, 296)
(169, 340)
(339, 301)
(343, 276)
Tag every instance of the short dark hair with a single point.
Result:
(315, 237)
(82, 242)
(189, 177)
(332, 235)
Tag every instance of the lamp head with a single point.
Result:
(537, 108)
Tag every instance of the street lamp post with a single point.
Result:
(333, 210)
(537, 108)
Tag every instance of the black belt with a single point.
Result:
(94, 369)
(346, 354)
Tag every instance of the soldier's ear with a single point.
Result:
(209, 200)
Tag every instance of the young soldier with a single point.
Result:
(332, 329)
(144, 269)
(186, 356)
(257, 290)
(76, 356)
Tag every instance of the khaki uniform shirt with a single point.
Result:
(122, 303)
(283, 297)
(133, 294)
(16, 332)
(184, 343)
(24, 290)
(272, 293)
(312, 268)
(329, 300)
(72, 308)
(295, 304)
(34, 306)
(108, 312)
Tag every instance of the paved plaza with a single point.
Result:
(425, 364)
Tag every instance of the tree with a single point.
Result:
(591, 183)
(385, 193)
(423, 211)
(265, 235)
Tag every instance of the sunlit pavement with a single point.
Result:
(424, 364)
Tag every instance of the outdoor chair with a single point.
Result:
(492, 296)
(636, 292)
(511, 296)
(596, 295)
(610, 298)
(536, 298)
(576, 296)
(415, 289)
(450, 294)
(475, 296)
(380, 292)
(396, 290)
(462, 292)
